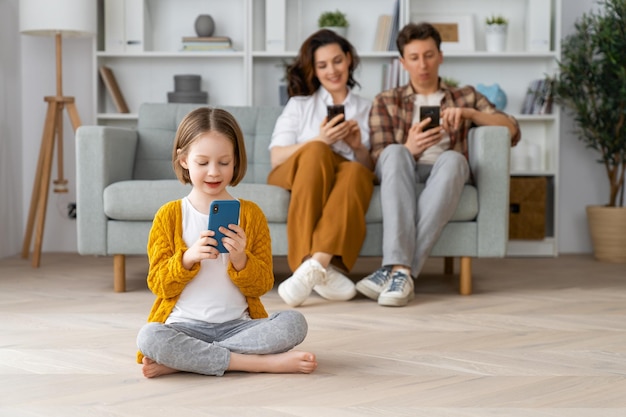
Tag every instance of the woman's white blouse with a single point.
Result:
(301, 119)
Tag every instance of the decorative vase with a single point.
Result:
(494, 94)
(606, 226)
(339, 30)
(495, 36)
(204, 25)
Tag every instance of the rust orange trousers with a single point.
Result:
(329, 198)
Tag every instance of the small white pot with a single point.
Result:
(495, 36)
(341, 31)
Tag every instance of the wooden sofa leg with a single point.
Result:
(448, 265)
(466, 276)
(119, 273)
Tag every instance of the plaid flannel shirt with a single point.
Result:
(391, 116)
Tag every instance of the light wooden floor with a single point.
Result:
(540, 337)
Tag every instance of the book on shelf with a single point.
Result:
(393, 30)
(538, 99)
(113, 88)
(207, 43)
(391, 74)
(382, 32)
(206, 39)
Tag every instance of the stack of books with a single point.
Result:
(387, 30)
(538, 98)
(209, 43)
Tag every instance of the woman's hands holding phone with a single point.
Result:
(336, 129)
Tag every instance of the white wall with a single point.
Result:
(29, 61)
(11, 184)
(583, 181)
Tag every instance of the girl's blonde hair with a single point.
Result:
(201, 121)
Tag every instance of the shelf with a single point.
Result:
(165, 54)
(501, 55)
(531, 248)
(535, 117)
(533, 174)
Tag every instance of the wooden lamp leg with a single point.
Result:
(39, 198)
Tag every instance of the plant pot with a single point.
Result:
(607, 226)
(495, 36)
(341, 31)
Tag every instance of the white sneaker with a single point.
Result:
(295, 289)
(336, 287)
(399, 291)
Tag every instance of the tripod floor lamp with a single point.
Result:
(58, 18)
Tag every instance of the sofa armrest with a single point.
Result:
(104, 155)
(489, 150)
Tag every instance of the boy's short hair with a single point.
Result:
(204, 120)
(417, 31)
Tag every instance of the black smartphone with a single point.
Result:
(334, 110)
(430, 111)
(222, 213)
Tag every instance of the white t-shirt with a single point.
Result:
(210, 296)
(301, 119)
(430, 155)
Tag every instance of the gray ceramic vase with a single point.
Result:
(204, 25)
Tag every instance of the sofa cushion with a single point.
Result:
(465, 211)
(140, 199)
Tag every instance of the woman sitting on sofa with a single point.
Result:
(325, 162)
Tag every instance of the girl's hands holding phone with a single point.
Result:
(205, 247)
(235, 243)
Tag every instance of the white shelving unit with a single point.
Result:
(250, 75)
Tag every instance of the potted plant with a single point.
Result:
(591, 86)
(336, 21)
(495, 33)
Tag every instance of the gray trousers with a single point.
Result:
(413, 221)
(205, 348)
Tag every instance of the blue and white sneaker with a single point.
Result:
(372, 285)
(399, 292)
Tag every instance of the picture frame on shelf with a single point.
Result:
(457, 31)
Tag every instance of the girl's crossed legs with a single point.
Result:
(261, 345)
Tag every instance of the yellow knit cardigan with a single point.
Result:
(167, 277)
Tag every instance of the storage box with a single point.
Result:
(527, 205)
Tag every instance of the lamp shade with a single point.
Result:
(49, 17)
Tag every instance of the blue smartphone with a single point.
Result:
(222, 213)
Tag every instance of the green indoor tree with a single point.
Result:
(591, 86)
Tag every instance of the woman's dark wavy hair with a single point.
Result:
(301, 79)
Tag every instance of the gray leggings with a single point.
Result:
(205, 348)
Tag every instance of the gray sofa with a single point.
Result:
(125, 175)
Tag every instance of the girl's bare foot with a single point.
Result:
(294, 361)
(151, 369)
